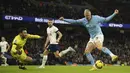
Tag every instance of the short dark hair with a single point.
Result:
(50, 19)
(20, 30)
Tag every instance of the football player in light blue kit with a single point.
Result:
(92, 24)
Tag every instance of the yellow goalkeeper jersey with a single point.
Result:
(19, 42)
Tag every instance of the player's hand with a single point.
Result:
(116, 11)
(61, 18)
(19, 52)
(41, 37)
(45, 47)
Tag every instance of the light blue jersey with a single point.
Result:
(93, 26)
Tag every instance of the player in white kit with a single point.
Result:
(4, 48)
(51, 44)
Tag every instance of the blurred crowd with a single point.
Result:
(117, 42)
(25, 8)
(53, 9)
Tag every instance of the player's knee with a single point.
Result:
(28, 59)
(89, 49)
(99, 47)
(57, 56)
(45, 52)
(86, 51)
(3, 57)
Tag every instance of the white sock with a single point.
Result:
(5, 60)
(64, 52)
(44, 60)
(111, 54)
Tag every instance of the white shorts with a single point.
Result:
(97, 38)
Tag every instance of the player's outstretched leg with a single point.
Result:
(45, 57)
(107, 51)
(22, 62)
(92, 61)
(44, 61)
(90, 58)
(66, 51)
(89, 48)
(21, 65)
(5, 61)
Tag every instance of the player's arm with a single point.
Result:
(33, 36)
(59, 37)
(102, 19)
(8, 46)
(14, 49)
(15, 46)
(72, 21)
(46, 43)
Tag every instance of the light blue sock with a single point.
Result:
(90, 58)
(107, 51)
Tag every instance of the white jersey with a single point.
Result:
(52, 34)
(3, 45)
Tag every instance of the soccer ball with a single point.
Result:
(99, 64)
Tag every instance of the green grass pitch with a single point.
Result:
(65, 69)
